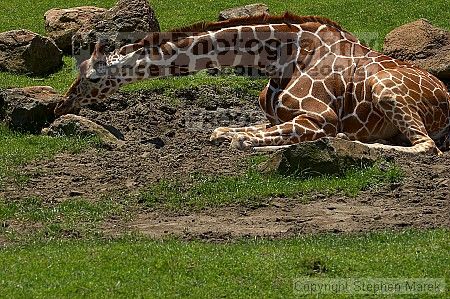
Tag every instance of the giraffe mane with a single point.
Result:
(286, 18)
(175, 35)
(73, 87)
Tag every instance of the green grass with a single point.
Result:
(368, 19)
(17, 149)
(253, 188)
(170, 84)
(60, 80)
(29, 14)
(70, 211)
(137, 267)
(33, 219)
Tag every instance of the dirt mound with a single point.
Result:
(166, 135)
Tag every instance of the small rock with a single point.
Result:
(28, 109)
(74, 193)
(125, 23)
(329, 156)
(244, 11)
(62, 24)
(170, 134)
(26, 52)
(168, 110)
(395, 186)
(145, 155)
(130, 184)
(443, 183)
(75, 125)
(423, 44)
(157, 141)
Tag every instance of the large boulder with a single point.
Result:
(62, 24)
(75, 125)
(423, 44)
(28, 109)
(23, 51)
(244, 11)
(127, 22)
(325, 156)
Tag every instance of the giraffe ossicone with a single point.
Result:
(323, 82)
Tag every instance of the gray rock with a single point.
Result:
(423, 44)
(326, 156)
(28, 109)
(75, 125)
(244, 11)
(23, 51)
(62, 24)
(127, 22)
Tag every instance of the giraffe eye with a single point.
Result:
(94, 80)
(100, 67)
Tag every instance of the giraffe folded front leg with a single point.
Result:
(226, 134)
(246, 142)
(242, 142)
(342, 136)
(221, 134)
(301, 129)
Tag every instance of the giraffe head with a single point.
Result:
(93, 84)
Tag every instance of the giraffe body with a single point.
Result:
(323, 82)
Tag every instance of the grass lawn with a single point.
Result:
(136, 267)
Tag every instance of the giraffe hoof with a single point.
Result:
(241, 143)
(436, 151)
(342, 136)
(220, 135)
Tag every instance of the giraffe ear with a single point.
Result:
(97, 67)
(99, 50)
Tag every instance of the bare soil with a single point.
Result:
(166, 136)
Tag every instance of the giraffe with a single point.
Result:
(323, 82)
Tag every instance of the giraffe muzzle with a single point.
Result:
(66, 106)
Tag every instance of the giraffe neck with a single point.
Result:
(283, 51)
(271, 48)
